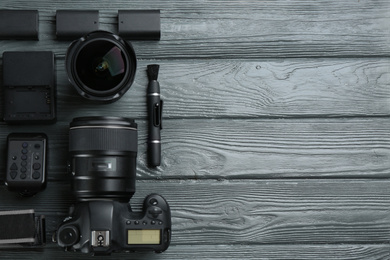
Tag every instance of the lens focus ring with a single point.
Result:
(102, 139)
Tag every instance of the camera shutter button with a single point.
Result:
(155, 211)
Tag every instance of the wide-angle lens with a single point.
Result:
(101, 66)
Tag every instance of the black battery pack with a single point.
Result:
(73, 24)
(29, 88)
(139, 24)
(19, 25)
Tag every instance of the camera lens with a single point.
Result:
(101, 66)
(68, 236)
(103, 152)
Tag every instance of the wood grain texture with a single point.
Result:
(250, 29)
(274, 149)
(229, 252)
(249, 212)
(286, 148)
(248, 89)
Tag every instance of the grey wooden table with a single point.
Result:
(276, 136)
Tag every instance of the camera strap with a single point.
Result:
(21, 228)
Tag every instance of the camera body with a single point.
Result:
(102, 227)
(102, 165)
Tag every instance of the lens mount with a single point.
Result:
(101, 66)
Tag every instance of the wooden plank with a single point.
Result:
(250, 29)
(278, 88)
(248, 89)
(272, 149)
(286, 148)
(288, 212)
(250, 212)
(229, 252)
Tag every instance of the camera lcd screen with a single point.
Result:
(144, 237)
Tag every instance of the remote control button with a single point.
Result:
(25, 145)
(23, 169)
(144, 223)
(153, 222)
(36, 157)
(153, 202)
(23, 176)
(13, 174)
(36, 166)
(136, 222)
(37, 146)
(36, 175)
(24, 157)
(23, 163)
(24, 151)
(160, 222)
(14, 157)
(128, 222)
(13, 167)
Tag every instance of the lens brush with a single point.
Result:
(154, 114)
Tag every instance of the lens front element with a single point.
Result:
(101, 66)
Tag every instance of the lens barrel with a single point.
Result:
(101, 66)
(102, 158)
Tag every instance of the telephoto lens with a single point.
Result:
(101, 66)
(102, 158)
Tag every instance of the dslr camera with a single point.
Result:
(102, 163)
